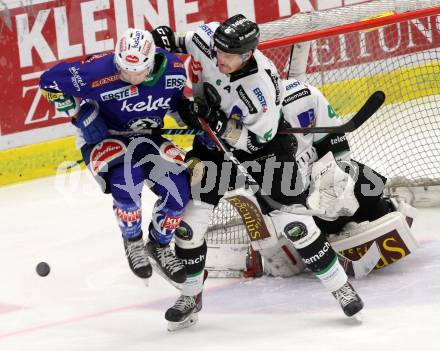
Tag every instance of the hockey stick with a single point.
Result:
(363, 266)
(359, 268)
(251, 182)
(373, 103)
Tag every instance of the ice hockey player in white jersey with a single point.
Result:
(357, 212)
(236, 89)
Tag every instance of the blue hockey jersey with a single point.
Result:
(123, 106)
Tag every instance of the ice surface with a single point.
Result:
(91, 301)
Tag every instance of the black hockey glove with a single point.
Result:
(191, 111)
(217, 120)
(164, 38)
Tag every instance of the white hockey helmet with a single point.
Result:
(135, 51)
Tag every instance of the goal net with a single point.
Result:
(386, 45)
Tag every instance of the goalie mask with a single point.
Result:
(135, 52)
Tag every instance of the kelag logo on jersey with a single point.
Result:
(307, 119)
(261, 98)
(120, 94)
(174, 81)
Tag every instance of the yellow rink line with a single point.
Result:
(40, 160)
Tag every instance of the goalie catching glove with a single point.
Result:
(331, 189)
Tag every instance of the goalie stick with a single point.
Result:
(364, 265)
(373, 103)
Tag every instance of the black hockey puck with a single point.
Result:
(43, 269)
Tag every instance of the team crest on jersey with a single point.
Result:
(120, 94)
(175, 81)
(105, 152)
(307, 119)
(138, 124)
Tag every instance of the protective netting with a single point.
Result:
(402, 59)
(402, 140)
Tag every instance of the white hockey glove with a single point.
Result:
(65, 104)
(331, 189)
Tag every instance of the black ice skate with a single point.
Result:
(349, 300)
(137, 257)
(167, 261)
(184, 312)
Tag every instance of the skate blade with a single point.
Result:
(158, 270)
(186, 323)
(358, 317)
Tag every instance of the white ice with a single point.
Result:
(91, 301)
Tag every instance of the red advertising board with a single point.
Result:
(37, 36)
(40, 35)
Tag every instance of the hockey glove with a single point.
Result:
(331, 189)
(92, 125)
(164, 38)
(62, 103)
(217, 120)
(191, 111)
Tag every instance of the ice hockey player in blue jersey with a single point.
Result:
(111, 98)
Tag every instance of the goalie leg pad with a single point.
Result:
(391, 233)
(282, 260)
(194, 225)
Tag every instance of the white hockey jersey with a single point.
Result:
(251, 96)
(305, 106)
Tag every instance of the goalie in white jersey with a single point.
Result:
(236, 89)
(357, 212)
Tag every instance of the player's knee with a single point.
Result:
(194, 225)
(174, 191)
(307, 239)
